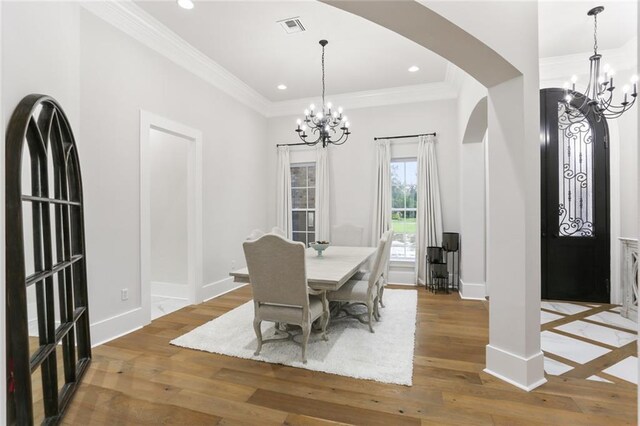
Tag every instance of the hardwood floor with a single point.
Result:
(141, 379)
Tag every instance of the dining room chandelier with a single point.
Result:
(597, 100)
(326, 125)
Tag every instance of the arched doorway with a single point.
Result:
(513, 250)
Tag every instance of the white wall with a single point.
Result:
(118, 78)
(103, 78)
(352, 165)
(168, 208)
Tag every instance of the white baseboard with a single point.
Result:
(172, 290)
(402, 274)
(525, 373)
(219, 288)
(473, 291)
(116, 326)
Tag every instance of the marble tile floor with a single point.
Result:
(161, 305)
(590, 341)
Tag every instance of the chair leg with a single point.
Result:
(325, 315)
(370, 312)
(256, 327)
(305, 339)
(380, 296)
(376, 309)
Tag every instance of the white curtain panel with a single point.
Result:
(323, 220)
(382, 207)
(283, 193)
(429, 209)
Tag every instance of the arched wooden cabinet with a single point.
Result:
(48, 341)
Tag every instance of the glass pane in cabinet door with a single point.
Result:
(575, 176)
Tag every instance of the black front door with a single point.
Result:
(575, 204)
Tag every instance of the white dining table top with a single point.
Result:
(329, 271)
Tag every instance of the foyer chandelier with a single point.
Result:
(326, 126)
(596, 102)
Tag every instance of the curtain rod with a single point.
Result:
(405, 136)
(294, 144)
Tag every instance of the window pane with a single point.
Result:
(398, 246)
(311, 221)
(397, 173)
(410, 222)
(575, 176)
(299, 198)
(299, 220)
(300, 236)
(298, 176)
(411, 173)
(312, 198)
(397, 197)
(398, 221)
(312, 175)
(312, 237)
(412, 196)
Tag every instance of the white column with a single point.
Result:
(472, 223)
(513, 266)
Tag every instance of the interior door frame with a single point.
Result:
(148, 122)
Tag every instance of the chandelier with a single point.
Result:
(326, 126)
(597, 99)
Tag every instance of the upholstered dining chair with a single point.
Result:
(277, 271)
(385, 269)
(347, 235)
(363, 292)
(382, 283)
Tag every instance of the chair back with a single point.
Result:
(255, 234)
(387, 253)
(277, 271)
(378, 264)
(278, 231)
(347, 235)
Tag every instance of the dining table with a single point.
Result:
(329, 271)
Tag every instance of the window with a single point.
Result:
(303, 201)
(404, 179)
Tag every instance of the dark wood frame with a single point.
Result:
(40, 122)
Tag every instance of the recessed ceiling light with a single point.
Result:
(414, 68)
(282, 87)
(185, 4)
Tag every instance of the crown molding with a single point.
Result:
(131, 19)
(562, 67)
(371, 98)
(134, 21)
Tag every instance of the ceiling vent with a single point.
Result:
(292, 25)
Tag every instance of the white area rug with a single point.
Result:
(384, 356)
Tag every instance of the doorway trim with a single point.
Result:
(148, 122)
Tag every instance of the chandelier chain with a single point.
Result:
(323, 77)
(595, 34)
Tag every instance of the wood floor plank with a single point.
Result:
(141, 378)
